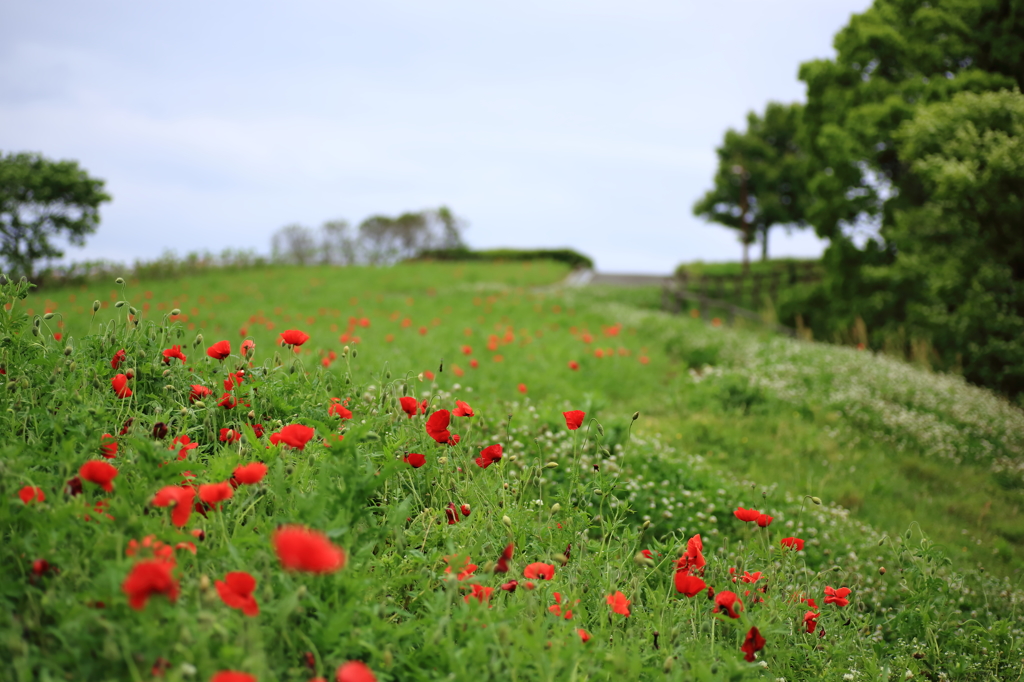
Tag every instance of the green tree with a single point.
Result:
(759, 182)
(41, 201)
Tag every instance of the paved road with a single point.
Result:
(581, 278)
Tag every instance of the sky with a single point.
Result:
(548, 123)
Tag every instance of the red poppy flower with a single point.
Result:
(619, 603)
(181, 497)
(506, 555)
(108, 446)
(198, 393)
(746, 515)
(462, 409)
(452, 513)
(693, 558)
(215, 493)
(474, 363)
(232, 676)
(751, 577)
(409, 405)
(249, 474)
(753, 642)
(219, 350)
(463, 565)
(173, 352)
(522, 389)
(339, 410)
(301, 549)
(234, 380)
(185, 444)
(257, 429)
(690, 585)
(793, 543)
(73, 486)
(489, 455)
(228, 401)
(573, 365)
(293, 435)
(465, 510)
(574, 419)
(354, 671)
(584, 635)
(480, 593)
(510, 586)
(415, 460)
(556, 608)
(764, 520)
(100, 473)
(727, 601)
(437, 426)
(293, 337)
(539, 571)
(837, 597)
(159, 430)
(120, 385)
(248, 347)
(28, 494)
(148, 578)
(230, 436)
(236, 591)
(118, 359)
(467, 350)
(811, 621)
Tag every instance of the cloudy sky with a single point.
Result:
(543, 123)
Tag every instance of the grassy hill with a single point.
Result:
(844, 450)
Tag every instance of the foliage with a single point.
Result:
(42, 201)
(621, 486)
(760, 180)
(570, 257)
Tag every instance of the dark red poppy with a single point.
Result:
(118, 359)
(465, 509)
(811, 621)
(73, 486)
(120, 385)
(294, 436)
(183, 444)
(100, 473)
(148, 578)
(215, 493)
(728, 601)
(452, 514)
(489, 455)
(690, 585)
(354, 671)
(746, 515)
(232, 676)
(618, 603)
(181, 497)
(506, 555)
(40, 567)
(793, 543)
(510, 586)
(415, 460)
(249, 474)
(30, 494)
(230, 436)
(763, 520)
(236, 591)
(437, 426)
(574, 419)
(198, 393)
(257, 430)
(219, 350)
(837, 596)
(293, 337)
(159, 430)
(753, 643)
(409, 405)
(301, 549)
(339, 410)
(462, 409)
(173, 352)
(539, 571)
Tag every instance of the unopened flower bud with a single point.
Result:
(555, 508)
(132, 310)
(167, 372)
(95, 306)
(175, 312)
(640, 559)
(442, 460)
(597, 491)
(204, 582)
(636, 415)
(816, 500)
(507, 521)
(881, 570)
(130, 373)
(354, 352)
(199, 405)
(252, 415)
(68, 350)
(647, 524)
(669, 662)
(600, 429)
(119, 304)
(198, 341)
(551, 465)
(120, 280)
(420, 376)
(48, 316)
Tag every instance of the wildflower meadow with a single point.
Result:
(466, 472)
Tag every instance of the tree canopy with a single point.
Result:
(42, 201)
(759, 182)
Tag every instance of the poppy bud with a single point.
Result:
(597, 518)
(346, 349)
(560, 558)
(48, 316)
(204, 582)
(175, 312)
(669, 662)
(35, 331)
(640, 559)
(555, 508)
(647, 524)
(881, 570)
(420, 376)
(12, 384)
(507, 521)
(636, 415)
(132, 310)
(199, 405)
(354, 353)
(119, 304)
(442, 460)
(68, 350)
(252, 414)
(816, 500)
(73, 366)
(597, 491)
(881, 541)
(130, 373)
(198, 341)
(600, 429)
(551, 465)
(119, 281)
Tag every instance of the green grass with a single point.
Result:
(727, 418)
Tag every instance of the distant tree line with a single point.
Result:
(908, 156)
(378, 240)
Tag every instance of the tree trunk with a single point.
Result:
(764, 245)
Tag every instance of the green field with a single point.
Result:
(728, 418)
